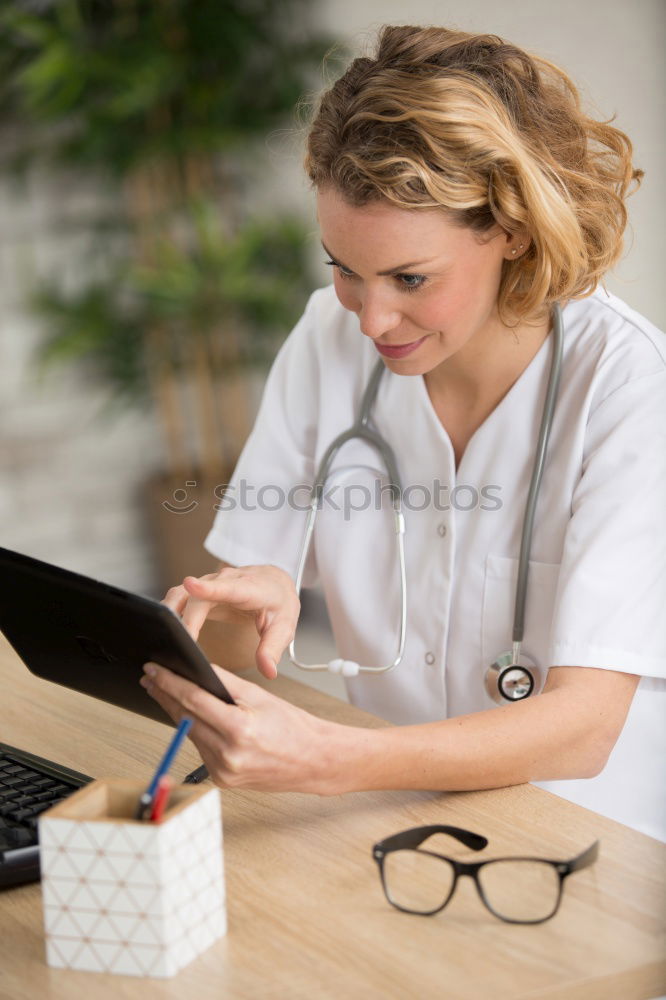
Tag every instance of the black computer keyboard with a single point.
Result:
(28, 786)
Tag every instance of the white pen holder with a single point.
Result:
(131, 897)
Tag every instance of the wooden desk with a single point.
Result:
(307, 918)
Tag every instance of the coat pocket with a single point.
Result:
(499, 598)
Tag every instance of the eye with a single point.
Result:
(411, 282)
(406, 282)
(343, 272)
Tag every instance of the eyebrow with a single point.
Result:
(382, 274)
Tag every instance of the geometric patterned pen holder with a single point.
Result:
(132, 897)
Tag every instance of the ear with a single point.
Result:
(517, 245)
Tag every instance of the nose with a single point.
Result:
(377, 314)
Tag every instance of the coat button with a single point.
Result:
(441, 530)
(430, 659)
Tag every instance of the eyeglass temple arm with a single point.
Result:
(583, 860)
(412, 838)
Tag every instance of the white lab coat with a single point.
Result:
(596, 592)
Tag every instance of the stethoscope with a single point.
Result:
(512, 676)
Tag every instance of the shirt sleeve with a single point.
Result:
(611, 596)
(261, 517)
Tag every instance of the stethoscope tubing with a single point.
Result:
(361, 429)
(537, 474)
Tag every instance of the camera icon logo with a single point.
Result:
(179, 496)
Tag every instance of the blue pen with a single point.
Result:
(183, 729)
(146, 799)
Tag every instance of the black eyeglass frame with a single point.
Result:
(413, 838)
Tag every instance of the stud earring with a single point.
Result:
(519, 248)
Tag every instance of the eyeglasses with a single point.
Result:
(518, 890)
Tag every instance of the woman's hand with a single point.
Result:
(261, 742)
(264, 594)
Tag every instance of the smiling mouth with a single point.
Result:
(392, 346)
(398, 350)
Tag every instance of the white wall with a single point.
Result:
(69, 481)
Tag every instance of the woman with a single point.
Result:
(461, 194)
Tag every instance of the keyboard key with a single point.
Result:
(8, 794)
(11, 782)
(22, 802)
(14, 808)
(30, 789)
(44, 796)
(44, 781)
(29, 772)
(39, 808)
(64, 790)
(20, 814)
(18, 837)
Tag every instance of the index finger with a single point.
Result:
(213, 597)
(194, 615)
(176, 598)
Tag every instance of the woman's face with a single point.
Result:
(418, 284)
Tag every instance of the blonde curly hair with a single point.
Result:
(494, 136)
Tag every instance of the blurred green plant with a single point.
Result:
(257, 278)
(165, 99)
(136, 79)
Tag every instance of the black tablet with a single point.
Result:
(95, 638)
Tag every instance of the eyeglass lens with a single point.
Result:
(519, 889)
(417, 881)
(515, 889)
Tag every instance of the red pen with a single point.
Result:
(162, 794)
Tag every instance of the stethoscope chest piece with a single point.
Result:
(512, 678)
